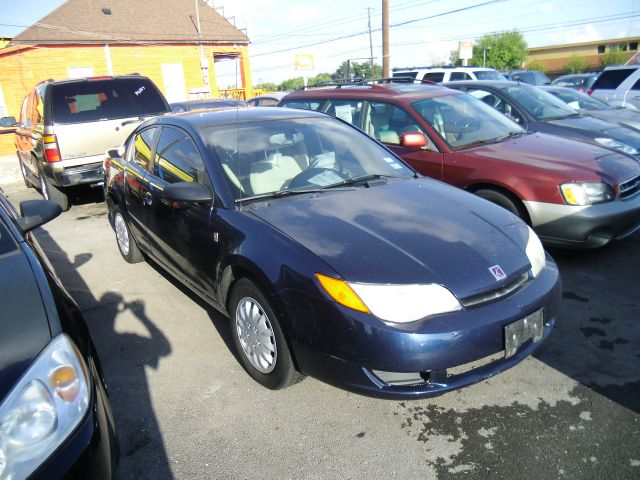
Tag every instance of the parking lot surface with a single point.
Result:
(185, 408)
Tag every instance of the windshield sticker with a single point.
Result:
(139, 91)
(343, 112)
(325, 178)
(392, 163)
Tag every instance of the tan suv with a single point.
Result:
(66, 127)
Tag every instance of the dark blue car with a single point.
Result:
(331, 256)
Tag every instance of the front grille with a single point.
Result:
(630, 188)
(497, 293)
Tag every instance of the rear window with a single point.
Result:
(488, 75)
(611, 79)
(411, 75)
(93, 100)
(436, 77)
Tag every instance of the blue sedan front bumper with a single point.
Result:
(360, 353)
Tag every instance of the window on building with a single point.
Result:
(601, 48)
(633, 46)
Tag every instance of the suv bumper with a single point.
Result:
(589, 226)
(70, 176)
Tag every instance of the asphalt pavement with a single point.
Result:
(185, 408)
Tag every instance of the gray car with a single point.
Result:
(627, 116)
(618, 86)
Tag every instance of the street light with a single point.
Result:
(484, 56)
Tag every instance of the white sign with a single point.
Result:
(465, 50)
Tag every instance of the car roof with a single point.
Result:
(404, 91)
(485, 83)
(96, 78)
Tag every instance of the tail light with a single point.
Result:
(51, 151)
(581, 90)
(590, 91)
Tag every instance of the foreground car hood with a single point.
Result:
(23, 321)
(573, 159)
(596, 127)
(406, 232)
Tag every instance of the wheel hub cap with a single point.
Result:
(122, 235)
(256, 335)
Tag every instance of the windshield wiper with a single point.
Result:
(510, 135)
(282, 193)
(560, 117)
(360, 178)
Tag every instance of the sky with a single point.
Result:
(422, 32)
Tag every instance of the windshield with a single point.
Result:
(489, 75)
(580, 101)
(540, 104)
(462, 120)
(302, 154)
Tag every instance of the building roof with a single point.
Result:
(584, 44)
(131, 21)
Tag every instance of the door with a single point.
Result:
(137, 193)
(24, 133)
(178, 232)
(387, 122)
(174, 86)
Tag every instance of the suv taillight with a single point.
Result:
(51, 151)
(589, 92)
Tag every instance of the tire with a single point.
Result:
(506, 201)
(126, 243)
(23, 171)
(266, 358)
(53, 193)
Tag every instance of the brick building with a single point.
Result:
(156, 38)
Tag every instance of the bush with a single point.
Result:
(613, 57)
(536, 65)
(576, 65)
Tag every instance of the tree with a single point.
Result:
(320, 78)
(576, 65)
(504, 51)
(350, 70)
(291, 83)
(536, 65)
(614, 56)
(269, 87)
(454, 59)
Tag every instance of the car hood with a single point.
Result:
(564, 157)
(622, 116)
(23, 321)
(596, 127)
(406, 232)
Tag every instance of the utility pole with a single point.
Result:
(373, 71)
(204, 63)
(385, 39)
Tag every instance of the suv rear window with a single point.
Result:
(411, 75)
(93, 100)
(434, 76)
(611, 79)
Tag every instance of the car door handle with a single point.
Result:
(148, 198)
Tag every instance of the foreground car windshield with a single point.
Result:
(540, 104)
(463, 121)
(291, 155)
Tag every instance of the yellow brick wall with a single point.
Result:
(21, 70)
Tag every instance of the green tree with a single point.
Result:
(536, 65)
(504, 51)
(576, 65)
(269, 87)
(351, 70)
(320, 78)
(614, 56)
(454, 59)
(291, 83)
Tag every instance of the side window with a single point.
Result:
(177, 159)
(308, 105)
(460, 76)
(347, 110)
(434, 76)
(268, 102)
(387, 122)
(142, 146)
(496, 102)
(636, 86)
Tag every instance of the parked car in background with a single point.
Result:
(581, 82)
(572, 193)
(447, 74)
(267, 100)
(331, 257)
(532, 77)
(618, 86)
(539, 111)
(55, 414)
(177, 107)
(66, 126)
(628, 116)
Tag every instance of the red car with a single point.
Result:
(572, 193)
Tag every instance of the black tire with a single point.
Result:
(506, 201)
(281, 372)
(53, 193)
(23, 171)
(126, 243)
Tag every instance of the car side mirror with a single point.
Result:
(188, 192)
(413, 140)
(8, 122)
(34, 213)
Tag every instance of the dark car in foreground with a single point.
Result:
(332, 257)
(573, 194)
(627, 116)
(179, 107)
(55, 414)
(539, 111)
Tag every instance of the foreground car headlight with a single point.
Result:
(586, 193)
(43, 408)
(535, 253)
(617, 145)
(391, 303)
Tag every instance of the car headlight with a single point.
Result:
(535, 253)
(43, 408)
(617, 145)
(586, 193)
(391, 303)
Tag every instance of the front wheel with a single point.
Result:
(258, 338)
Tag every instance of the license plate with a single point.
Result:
(517, 333)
